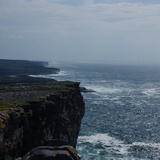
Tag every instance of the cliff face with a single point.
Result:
(52, 114)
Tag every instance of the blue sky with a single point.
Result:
(108, 31)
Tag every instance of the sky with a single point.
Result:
(108, 31)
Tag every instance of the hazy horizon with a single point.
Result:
(90, 31)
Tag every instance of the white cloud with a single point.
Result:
(103, 29)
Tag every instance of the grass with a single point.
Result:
(5, 105)
(29, 90)
(13, 88)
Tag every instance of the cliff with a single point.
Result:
(18, 71)
(39, 114)
(24, 67)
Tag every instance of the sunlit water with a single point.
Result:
(122, 117)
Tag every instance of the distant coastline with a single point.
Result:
(18, 71)
(38, 112)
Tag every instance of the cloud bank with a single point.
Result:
(117, 31)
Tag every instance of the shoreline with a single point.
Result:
(18, 71)
(37, 112)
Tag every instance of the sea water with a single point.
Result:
(122, 117)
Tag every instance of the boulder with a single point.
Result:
(52, 153)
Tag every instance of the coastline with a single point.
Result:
(38, 112)
(18, 71)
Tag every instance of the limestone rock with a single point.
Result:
(36, 114)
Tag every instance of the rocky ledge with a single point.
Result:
(45, 116)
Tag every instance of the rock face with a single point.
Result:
(46, 114)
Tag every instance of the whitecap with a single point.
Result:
(152, 145)
(150, 92)
(61, 73)
(105, 89)
(110, 144)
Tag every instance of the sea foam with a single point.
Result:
(108, 143)
(51, 76)
(111, 144)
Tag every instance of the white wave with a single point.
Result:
(110, 144)
(100, 101)
(105, 89)
(150, 92)
(97, 102)
(61, 73)
(153, 145)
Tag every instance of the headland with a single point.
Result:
(40, 117)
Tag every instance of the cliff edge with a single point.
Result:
(39, 114)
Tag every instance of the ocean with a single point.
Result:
(122, 117)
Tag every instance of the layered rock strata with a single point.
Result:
(39, 114)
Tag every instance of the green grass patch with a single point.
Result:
(5, 105)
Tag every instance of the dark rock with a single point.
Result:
(83, 89)
(39, 114)
(24, 67)
(18, 71)
(52, 153)
(55, 142)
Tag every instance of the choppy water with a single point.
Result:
(122, 118)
